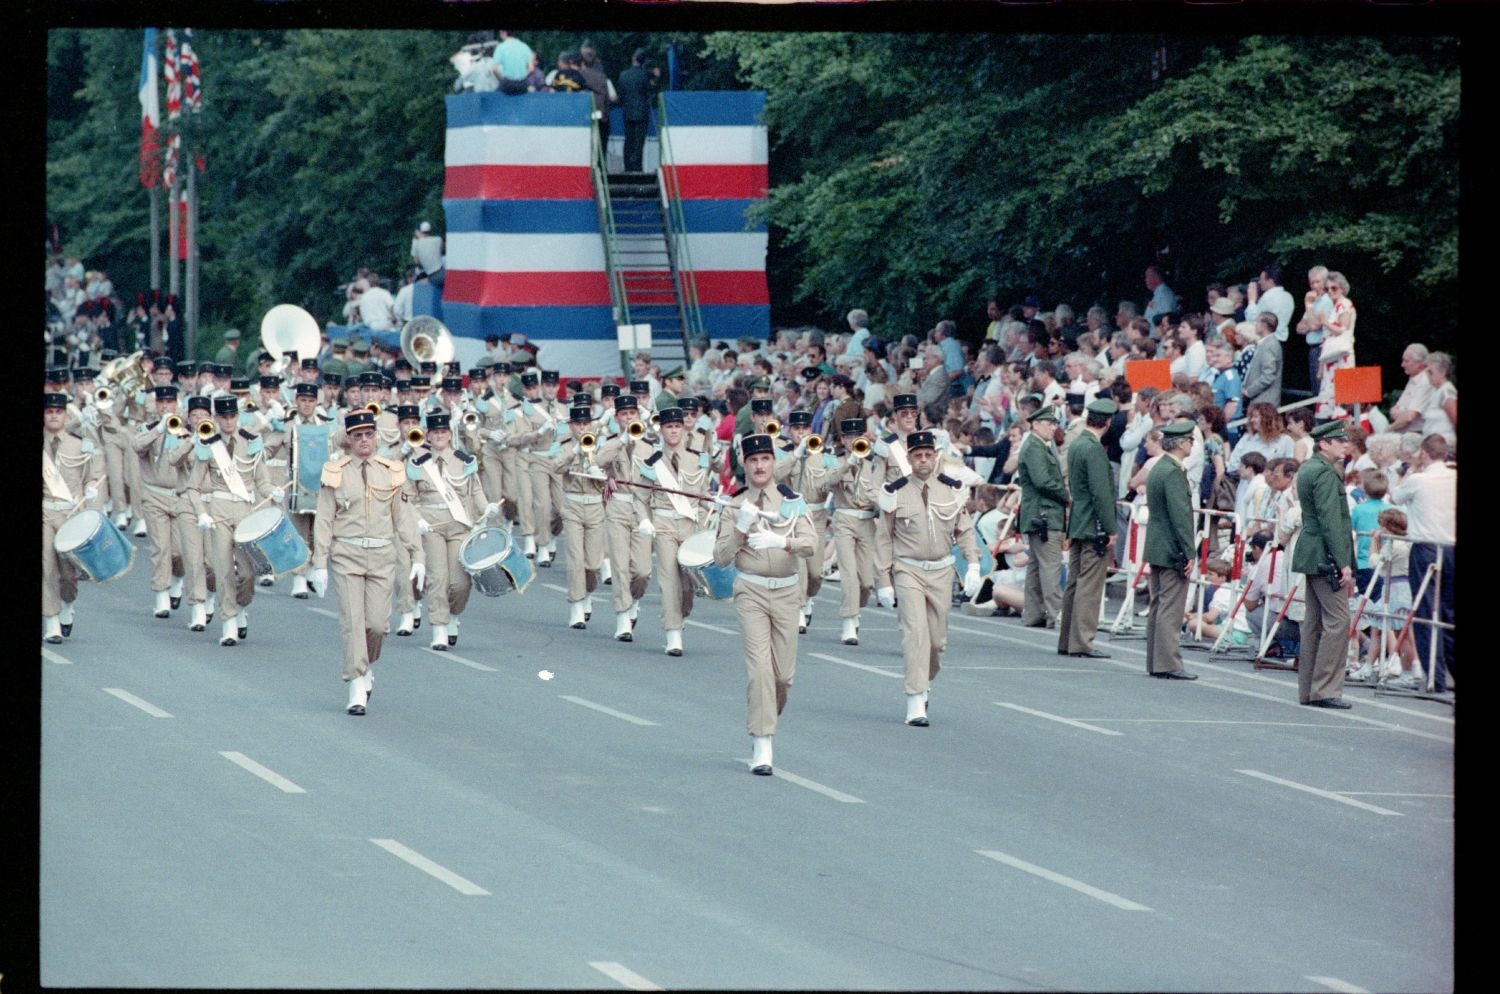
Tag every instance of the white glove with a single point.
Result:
(90, 416)
(491, 510)
(419, 576)
(745, 517)
(646, 528)
(278, 495)
(498, 435)
(423, 527)
(886, 596)
(276, 412)
(91, 494)
(971, 581)
(761, 540)
(802, 445)
(206, 521)
(318, 580)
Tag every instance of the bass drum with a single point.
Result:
(696, 557)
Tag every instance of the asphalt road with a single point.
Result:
(211, 817)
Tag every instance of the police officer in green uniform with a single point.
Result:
(673, 386)
(1324, 554)
(1091, 532)
(1044, 500)
(1169, 550)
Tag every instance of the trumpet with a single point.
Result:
(814, 443)
(636, 428)
(174, 424)
(207, 429)
(860, 447)
(469, 420)
(586, 442)
(415, 436)
(103, 396)
(773, 428)
(374, 408)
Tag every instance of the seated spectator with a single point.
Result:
(475, 63)
(1299, 425)
(1406, 413)
(567, 78)
(1213, 620)
(1440, 414)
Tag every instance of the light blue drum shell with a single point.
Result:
(520, 569)
(271, 542)
(481, 557)
(95, 547)
(720, 581)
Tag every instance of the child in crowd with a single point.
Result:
(1214, 619)
(1400, 672)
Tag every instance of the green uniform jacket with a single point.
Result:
(666, 399)
(227, 356)
(1169, 529)
(1093, 508)
(1326, 530)
(1043, 494)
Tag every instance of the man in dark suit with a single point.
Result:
(1091, 532)
(1169, 550)
(637, 91)
(1044, 498)
(1324, 555)
(1262, 380)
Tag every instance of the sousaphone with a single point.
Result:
(426, 339)
(288, 328)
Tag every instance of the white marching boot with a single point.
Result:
(139, 531)
(529, 546)
(575, 615)
(51, 629)
(674, 641)
(200, 618)
(211, 605)
(299, 587)
(916, 710)
(606, 574)
(174, 594)
(357, 696)
(65, 619)
(122, 519)
(546, 554)
(228, 636)
(635, 613)
(407, 624)
(416, 616)
(851, 632)
(265, 581)
(760, 758)
(624, 630)
(588, 607)
(242, 620)
(369, 679)
(439, 638)
(163, 604)
(453, 630)
(801, 623)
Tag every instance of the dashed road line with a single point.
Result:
(269, 776)
(430, 868)
(604, 710)
(1124, 904)
(135, 701)
(1328, 794)
(1058, 718)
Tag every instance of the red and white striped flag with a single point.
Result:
(169, 171)
(169, 75)
(150, 114)
(192, 85)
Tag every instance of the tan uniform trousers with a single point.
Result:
(1169, 590)
(1087, 572)
(583, 538)
(541, 499)
(168, 518)
(1325, 641)
(115, 469)
(676, 586)
(812, 567)
(406, 597)
(492, 473)
(1043, 592)
(303, 523)
(768, 619)
(923, 598)
(448, 583)
(59, 578)
(198, 575)
(629, 553)
(555, 495)
(362, 581)
(517, 491)
(854, 547)
(231, 564)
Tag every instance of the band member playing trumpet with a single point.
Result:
(806, 465)
(200, 581)
(628, 547)
(762, 422)
(227, 481)
(413, 444)
(167, 511)
(582, 511)
(443, 486)
(72, 480)
(857, 474)
(497, 461)
(764, 530)
(674, 518)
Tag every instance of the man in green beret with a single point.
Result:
(1044, 500)
(673, 386)
(1324, 554)
(1169, 550)
(1091, 532)
(229, 352)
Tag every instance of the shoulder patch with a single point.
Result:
(333, 472)
(944, 478)
(789, 447)
(249, 435)
(693, 450)
(419, 460)
(787, 492)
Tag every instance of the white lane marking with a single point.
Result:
(269, 776)
(553, 586)
(53, 657)
(858, 666)
(1335, 984)
(1330, 795)
(712, 628)
(455, 657)
(624, 976)
(325, 612)
(1029, 669)
(1386, 793)
(427, 866)
(1226, 721)
(1058, 718)
(813, 785)
(1122, 903)
(609, 711)
(135, 701)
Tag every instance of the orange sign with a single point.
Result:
(1357, 385)
(1142, 373)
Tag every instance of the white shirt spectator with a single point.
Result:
(1430, 499)
(1435, 420)
(427, 253)
(377, 309)
(1415, 396)
(856, 347)
(1271, 581)
(402, 305)
(482, 76)
(1277, 301)
(1195, 360)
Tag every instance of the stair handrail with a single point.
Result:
(600, 172)
(678, 256)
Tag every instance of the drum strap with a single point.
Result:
(227, 470)
(53, 478)
(445, 491)
(668, 478)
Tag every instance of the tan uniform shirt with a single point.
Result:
(925, 528)
(81, 465)
(357, 506)
(205, 478)
(765, 562)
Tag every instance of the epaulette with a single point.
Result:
(787, 492)
(694, 451)
(789, 447)
(419, 460)
(944, 478)
(888, 439)
(333, 471)
(462, 456)
(248, 435)
(885, 498)
(897, 484)
(150, 425)
(654, 456)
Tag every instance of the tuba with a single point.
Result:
(288, 328)
(426, 339)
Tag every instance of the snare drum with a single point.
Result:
(271, 542)
(696, 557)
(496, 564)
(95, 547)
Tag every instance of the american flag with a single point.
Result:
(192, 85)
(169, 74)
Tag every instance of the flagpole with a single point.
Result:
(191, 289)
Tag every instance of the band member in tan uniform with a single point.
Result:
(811, 475)
(924, 515)
(855, 480)
(164, 507)
(674, 518)
(227, 480)
(496, 460)
(362, 514)
(764, 530)
(408, 605)
(200, 583)
(72, 480)
(627, 515)
(582, 510)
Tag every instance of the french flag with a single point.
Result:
(150, 114)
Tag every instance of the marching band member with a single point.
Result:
(538, 474)
(527, 424)
(362, 514)
(304, 419)
(221, 499)
(904, 417)
(166, 511)
(442, 484)
(72, 480)
(497, 464)
(201, 582)
(407, 603)
(582, 511)
(674, 518)
(557, 410)
(855, 480)
(811, 475)
(764, 530)
(625, 509)
(924, 516)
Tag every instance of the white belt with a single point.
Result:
(226, 495)
(622, 498)
(276, 462)
(583, 498)
(770, 582)
(164, 491)
(59, 505)
(854, 512)
(668, 513)
(433, 507)
(367, 543)
(927, 564)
